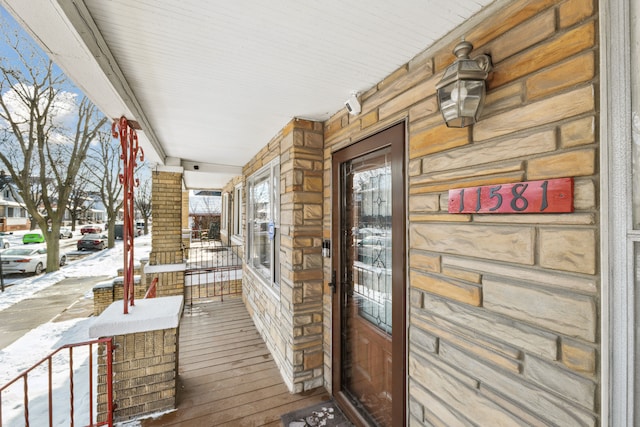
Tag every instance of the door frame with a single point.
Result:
(397, 135)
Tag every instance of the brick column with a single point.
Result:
(166, 239)
(186, 232)
(145, 357)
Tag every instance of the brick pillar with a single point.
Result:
(166, 239)
(186, 233)
(145, 357)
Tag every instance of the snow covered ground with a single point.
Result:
(48, 337)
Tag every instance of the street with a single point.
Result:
(62, 301)
(67, 246)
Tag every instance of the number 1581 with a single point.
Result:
(547, 196)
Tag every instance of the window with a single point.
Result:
(263, 227)
(237, 211)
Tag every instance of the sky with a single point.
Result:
(46, 338)
(5, 17)
(8, 52)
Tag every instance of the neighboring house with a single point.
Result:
(13, 214)
(204, 212)
(439, 298)
(96, 211)
(92, 211)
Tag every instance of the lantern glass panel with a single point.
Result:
(460, 102)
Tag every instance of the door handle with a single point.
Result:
(332, 283)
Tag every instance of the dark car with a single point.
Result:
(92, 242)
(118, 232)
(91, 229)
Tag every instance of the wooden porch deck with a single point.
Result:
(227, 376)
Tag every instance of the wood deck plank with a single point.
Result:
(227, 376)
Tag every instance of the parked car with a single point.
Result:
(4, 243)
(33, 237)
(91, 229)
(27, 260)
(65, 232)
(118, 232)
(92, 242)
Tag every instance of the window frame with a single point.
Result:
(236, 213)
(270, 173)
(224, 214)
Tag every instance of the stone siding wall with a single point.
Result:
(503, 309)
(291, 320)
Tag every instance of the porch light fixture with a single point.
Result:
(462, 89)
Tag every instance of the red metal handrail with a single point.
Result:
(109, 383)
(131, 151)
(151, 292)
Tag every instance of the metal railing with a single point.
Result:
(212, 272)
(76, 394)
(151, 292)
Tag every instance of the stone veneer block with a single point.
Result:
(573, 315)
(510, 244)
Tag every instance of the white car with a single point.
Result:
(65, 232)
(4, 243)
(26, 260)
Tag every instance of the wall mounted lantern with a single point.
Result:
(462, 89)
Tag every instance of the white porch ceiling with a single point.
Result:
(211, 81)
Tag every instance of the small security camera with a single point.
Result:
(353, 105)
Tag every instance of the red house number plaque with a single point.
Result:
(548, 196)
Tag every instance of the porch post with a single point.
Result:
(166, 259)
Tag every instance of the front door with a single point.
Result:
(368, 262)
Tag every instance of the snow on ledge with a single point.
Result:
(164, 268)
(149, 314)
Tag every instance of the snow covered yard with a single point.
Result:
(46, 338)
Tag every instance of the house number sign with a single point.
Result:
(547, 196)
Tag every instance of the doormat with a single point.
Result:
(325, 414)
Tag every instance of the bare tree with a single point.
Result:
(45, 133)
(104, 156)
(142, 201)
(79, 196)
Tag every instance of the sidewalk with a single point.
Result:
(62, 301)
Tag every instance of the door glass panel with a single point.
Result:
(367, 285)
